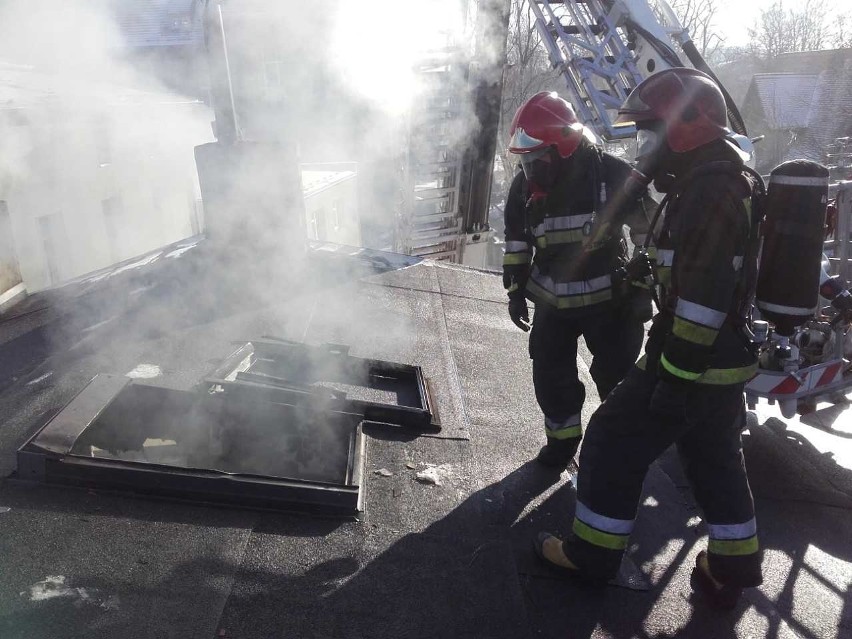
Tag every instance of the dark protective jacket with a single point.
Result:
(549, 258)
(706, 261)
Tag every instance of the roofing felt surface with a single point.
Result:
(424, 560)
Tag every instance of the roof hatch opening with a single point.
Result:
(278, 425)
(292, 373)
(125, 436)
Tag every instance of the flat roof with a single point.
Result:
(444, 548)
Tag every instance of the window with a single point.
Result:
(336, 207)
(103, 143)
(317, 224)
(112, 209)
(179, 22)
(48, 229)
(10, 275)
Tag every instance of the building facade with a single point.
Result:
(802, 105)
(92, 178)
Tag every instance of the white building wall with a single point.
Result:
(137, 157)
(331, 205)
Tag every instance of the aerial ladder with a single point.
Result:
(604, 48)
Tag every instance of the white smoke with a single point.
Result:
(325, 84)
(376, 45)
(87, 135)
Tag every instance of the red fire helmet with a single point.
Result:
(688, 102)
(542, 121)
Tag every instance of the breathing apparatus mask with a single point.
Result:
(654, 159)
(540, 167)
(648, 142)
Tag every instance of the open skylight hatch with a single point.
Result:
(288, 372)
(278, 425)
(125, 436)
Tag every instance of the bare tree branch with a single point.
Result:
(699, 18)
(781, 30)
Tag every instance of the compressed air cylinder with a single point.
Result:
(793, 234)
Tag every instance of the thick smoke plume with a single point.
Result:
(306, 83)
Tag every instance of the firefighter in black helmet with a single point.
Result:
(565, 251)
(687, 389)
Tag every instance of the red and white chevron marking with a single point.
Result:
(802, 381)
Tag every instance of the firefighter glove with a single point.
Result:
(669, 399)
(638, 305)
(518, 311)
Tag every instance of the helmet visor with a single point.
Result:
(521, 142)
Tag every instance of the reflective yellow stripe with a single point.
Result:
(733, 547)
(678, 372)
(664, 275)
(511, 259)
(694, 333)
(601, 235)
(564, 237)
(513, 287)
(599, 538)
(564, 433)
(541, 241)
(574, 301)
(723, 376)
(719, 376)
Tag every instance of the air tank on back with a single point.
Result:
(794, 230)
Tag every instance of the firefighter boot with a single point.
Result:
(558, 453)
(717, 594)
(549, 549)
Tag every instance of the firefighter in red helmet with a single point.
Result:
(687, 389)
(566, 252)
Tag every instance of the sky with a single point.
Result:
(734, 17)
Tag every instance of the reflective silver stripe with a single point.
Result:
(602, 522)
(538, 231)
(823, 277)
(790, 310)
(665, 257)
(515, 246)
(552, 424)
(738, 262)
(732, 531)
(700, 314)
(566, 222)
(789, 180)
(577, 287)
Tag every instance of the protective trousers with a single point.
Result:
(614, 339)
(623, 438)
